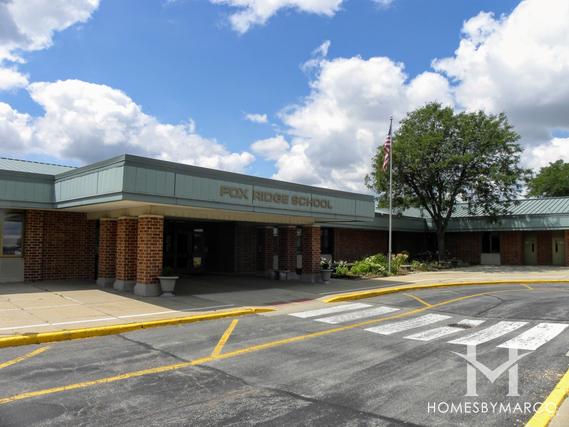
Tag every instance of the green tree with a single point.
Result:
(442, 158)
(551, 181)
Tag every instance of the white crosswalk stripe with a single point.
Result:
(443, 331)
(490, 333)
(535, 337)
(330, 310)
(416, 322)
(355, 315)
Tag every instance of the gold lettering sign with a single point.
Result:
(273, 197)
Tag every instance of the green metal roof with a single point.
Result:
(534, 206)
(17, 165)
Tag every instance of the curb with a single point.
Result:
(73, 334)
(551, 404)
(371, 293)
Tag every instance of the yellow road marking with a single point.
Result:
(235, 353)
(24, 357)
(551, 404)
(372, 293)
(224, 338)
(422, 301)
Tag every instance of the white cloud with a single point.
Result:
(29, 25)
(543, 154)
(383, 3)
(89, 122)
(271, 148)
(257, 118)
(258, 12)
(318, 54)
(10, 78)
(334, 132)
(517, 64)
(15, 130)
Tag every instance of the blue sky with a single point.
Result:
(183, 59)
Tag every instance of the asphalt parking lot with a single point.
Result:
(389, 360)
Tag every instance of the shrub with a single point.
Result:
(397, 261)
(342, 269)
(376, 265)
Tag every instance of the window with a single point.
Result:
(490, 243)
(327, 241)
(11, 233)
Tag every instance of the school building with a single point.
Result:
(121, 221)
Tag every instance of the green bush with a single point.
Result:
(419, 266)
(342, 269)
(397, 261)
(376, 265)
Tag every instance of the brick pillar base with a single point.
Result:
(287, 250)
(33, 245)
(127, 228)
(311, 254)
(149, 252)
(107, 252)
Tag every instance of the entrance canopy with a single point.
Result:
(132, 185)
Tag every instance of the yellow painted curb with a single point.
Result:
(72, 334)
(549, 406)
(371, 293)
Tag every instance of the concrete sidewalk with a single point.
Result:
(57, 305)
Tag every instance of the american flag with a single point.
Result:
(387, 149)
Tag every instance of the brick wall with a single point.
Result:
(287, 248)
(511, 248)
(245, 248)
(59, 245)
(107, 248)
(310, 249)
(265, 249)
(352, 244)
(150, 236)
(33, 245)
(466, 247)
(544, 248)
(127, 231)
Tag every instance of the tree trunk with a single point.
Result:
(441, 244)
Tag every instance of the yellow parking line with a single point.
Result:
(231, 354)
(217, 350)
(422, 301)
(24, 357)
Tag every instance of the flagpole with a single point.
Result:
(390, 196)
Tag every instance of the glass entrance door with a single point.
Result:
(185, 247)
(199, 250)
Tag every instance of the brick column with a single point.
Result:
(33, 245)
(511, 248)
(266, 252)
(127, 230)
(287, 248)
(107, 252)
(544, 248)
(310, 254)
(149, 252)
